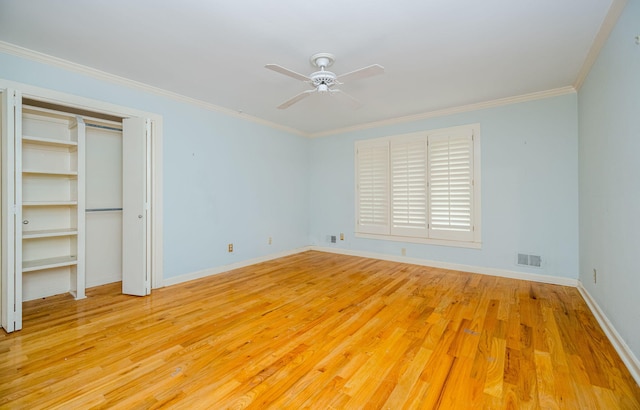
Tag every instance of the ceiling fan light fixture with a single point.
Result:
(324, 81)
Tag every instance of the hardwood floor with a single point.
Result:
(319, 331)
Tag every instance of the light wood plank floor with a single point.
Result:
(319, 331)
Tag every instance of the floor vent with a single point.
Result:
(529, 260)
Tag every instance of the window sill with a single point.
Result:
(425, 241)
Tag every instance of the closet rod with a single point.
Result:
(102, 209)
(104, 127)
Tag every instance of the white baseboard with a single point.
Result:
(225, 268)
(554, 280)
(627, 356)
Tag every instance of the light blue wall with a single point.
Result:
(225, 180)
(228, 180)
(609, 112)
(529, 188)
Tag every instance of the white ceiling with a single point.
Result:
(437, 54)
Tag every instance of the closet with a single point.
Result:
(103, 202)
(76, 202)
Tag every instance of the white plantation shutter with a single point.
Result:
(422, 187)
(372, 185)
(451, 185)
(409, 188)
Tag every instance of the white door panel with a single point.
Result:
(135, 209)
(11, 277)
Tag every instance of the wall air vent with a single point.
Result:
(523, 259)
(529, 260)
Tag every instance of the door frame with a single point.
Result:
(83, 103)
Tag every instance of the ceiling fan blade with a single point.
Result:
(365, 72)
(286, 71)
(295, 99)
(351, 100)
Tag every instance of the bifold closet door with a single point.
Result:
(103, 217)
(136, 185)
(11, 255)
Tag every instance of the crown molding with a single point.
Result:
(36, 56)
(452, 110)
(114, 79)
(609, 22)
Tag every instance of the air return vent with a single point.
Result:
(529, 260)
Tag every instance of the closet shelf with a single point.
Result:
(49, 233)
(49, 203)
(50, 173)
(49, 263)
(49, 141)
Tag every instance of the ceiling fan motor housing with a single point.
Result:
(323, 80)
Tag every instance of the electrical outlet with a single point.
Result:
(403, 251)
(230, 247)
(270, 241)
(342, 237)
(595, 276)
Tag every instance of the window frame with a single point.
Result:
(467, 239)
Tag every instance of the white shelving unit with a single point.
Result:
(49, 141)
(53, 190)
(49, 263)
(48, 233)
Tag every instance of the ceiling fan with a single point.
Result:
(324, 81)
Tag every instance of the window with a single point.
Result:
(421, 187)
